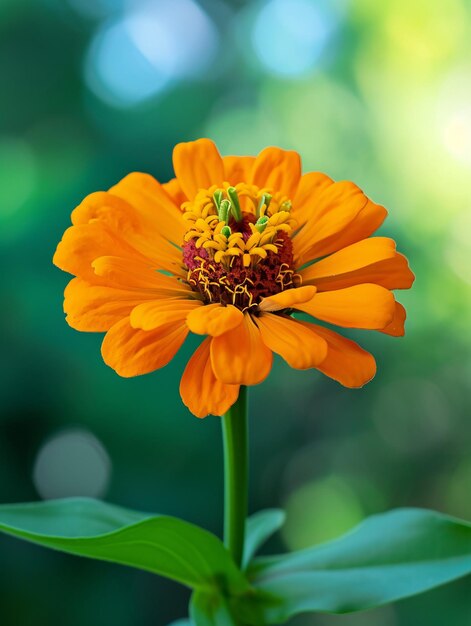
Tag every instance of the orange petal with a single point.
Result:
(396, 327)
(132, 274)
(174, 190)
(368, 220)
(239, 357)
(237, 169)
(287, 299)
(200, 390)
(345, 362)
(354, 257)
(336, 207)
(277, 170)
(197, 165)
(131, 224)
(310, 187)
(299, 347)
(361, 306)
(106, 208)
(214, 319)
(150, 315)
(373, 260)
(95, 308)
(155, 207)
(132, 352)
(339, 227)
(82, 244)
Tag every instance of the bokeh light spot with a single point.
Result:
(424, 32)
(320, 511)
(139, 55)
(118, 72)
(457, 135)
(72, 463)
(289, 36)
(454, 114)
(18, 174)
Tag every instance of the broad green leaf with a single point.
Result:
(387, 557)
(210, 609)
(181, 622)
(259, 528)
(159, 544)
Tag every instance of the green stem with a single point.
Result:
(235, 440)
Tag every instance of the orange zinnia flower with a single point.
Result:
(230, 248)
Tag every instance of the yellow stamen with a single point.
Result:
(209, 214)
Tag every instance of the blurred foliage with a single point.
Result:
(376, 92)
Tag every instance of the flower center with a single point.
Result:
(237, 248)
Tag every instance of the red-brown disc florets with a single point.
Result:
(244, 287)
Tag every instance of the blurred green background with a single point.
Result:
(375, 92)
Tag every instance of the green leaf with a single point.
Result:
(181, 622)
(387, 557)
(210, 609)
(156, 543)
(259, 528)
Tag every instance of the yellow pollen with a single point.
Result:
(259, 211)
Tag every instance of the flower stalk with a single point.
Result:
(235, 442)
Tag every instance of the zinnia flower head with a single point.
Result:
(231, 248)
